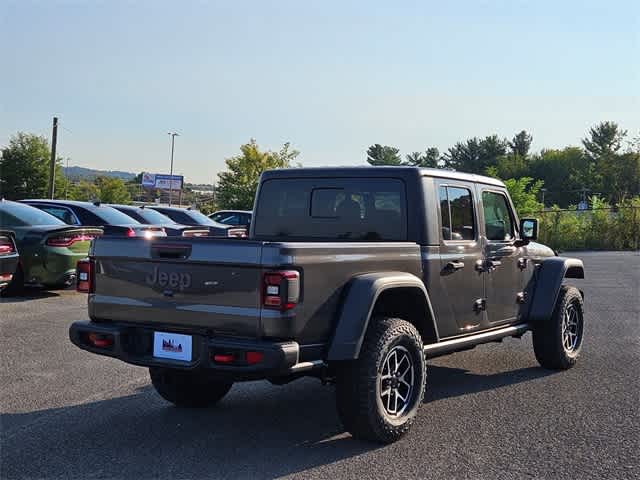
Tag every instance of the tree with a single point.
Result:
(24, 168)
(604, 139)
(112, 190)
(564, 172)
(237, 185)
(84, 191)
(521, 143)
(475, 155)
(430, 158)
(383, 155)
(524, 193)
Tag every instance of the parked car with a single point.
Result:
(149, 216)
(111, 220)
(49, 248)
(350, 275)
(9, 258)
(188, 216)
(236, 218)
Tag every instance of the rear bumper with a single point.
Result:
(134, 344)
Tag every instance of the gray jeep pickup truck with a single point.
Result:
(355, 276)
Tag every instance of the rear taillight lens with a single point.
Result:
(130, 232)
(100, 340)
(85, 276)
(68, 240)
(281, 289)
(6, 246)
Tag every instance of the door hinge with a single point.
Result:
(480, 305)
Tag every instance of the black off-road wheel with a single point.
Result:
(188, 389)
(557, 342)
(378, 395)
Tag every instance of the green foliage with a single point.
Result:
(237, 185)
(378, 155)
(430, 158)
(520, 144)
(601, 228)
(475, 155)
(112, 190)
(24, 168)
(564, 172)
(524, 192)
(83, 191)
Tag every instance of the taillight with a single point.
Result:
(281, 289)
(130, 232)
(6, 246)
(85, 276)
(100, 340)
(68, 240)
(195, 233)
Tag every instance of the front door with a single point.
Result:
(503, 269)
(460, 254)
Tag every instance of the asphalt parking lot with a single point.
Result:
(489, 413)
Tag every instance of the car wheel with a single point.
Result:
(378, 395)
(557, 342)
(188, 389)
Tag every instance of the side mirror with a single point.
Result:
(529, 229)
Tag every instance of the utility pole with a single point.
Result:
(52, 166)
(173, 138)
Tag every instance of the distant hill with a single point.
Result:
(81, 173)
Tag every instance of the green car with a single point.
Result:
(49, 248)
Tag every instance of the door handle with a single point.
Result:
(455, 265)
(492, 264)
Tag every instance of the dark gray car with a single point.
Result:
(355, 276)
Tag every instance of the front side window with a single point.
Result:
(498, 221)
(456, 211)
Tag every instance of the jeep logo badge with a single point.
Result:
(171, 279)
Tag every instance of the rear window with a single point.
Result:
(17, 215)
(365, 209)
(111, 216)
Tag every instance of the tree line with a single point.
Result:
(605, 165)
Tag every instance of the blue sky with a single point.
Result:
(330, 77)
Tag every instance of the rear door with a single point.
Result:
(502, 267)
(460, 255)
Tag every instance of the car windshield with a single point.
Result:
(17, 214)
(154, 217)
(111, 216)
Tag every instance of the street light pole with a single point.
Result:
(173, 138)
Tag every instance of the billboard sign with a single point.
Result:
(161, 181)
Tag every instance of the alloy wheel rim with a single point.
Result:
(397, 381)
(571, 328)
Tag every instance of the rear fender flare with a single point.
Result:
(548, 281)
(357, 307)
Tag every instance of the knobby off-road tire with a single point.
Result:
(390, 355)
(557, 342)
(188, 389)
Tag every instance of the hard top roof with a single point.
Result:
(378, 171)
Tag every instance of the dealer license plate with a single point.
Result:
(172, 345)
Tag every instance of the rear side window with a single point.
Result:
(349, 209)
(62, 213)
(456, 210)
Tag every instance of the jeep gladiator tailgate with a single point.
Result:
(213, 284)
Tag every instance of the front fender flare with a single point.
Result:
(548, 281)
(357, 306)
